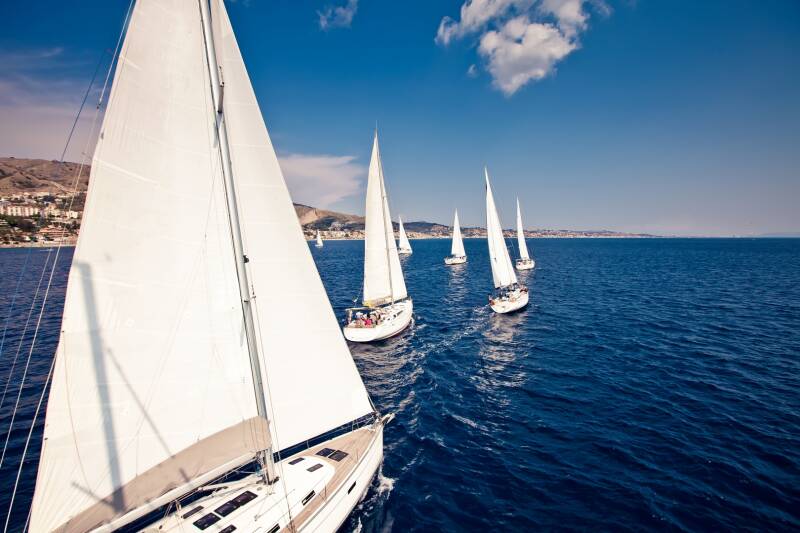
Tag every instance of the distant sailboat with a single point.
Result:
(457, 253)
(404, 247)
(524, 262)
(509, 295)
(319, 240)
(198, 341)
(387, 308)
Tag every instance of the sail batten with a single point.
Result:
(457, 247)
(523, 246)
(502, 270)
(383, 275)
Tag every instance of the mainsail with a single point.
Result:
(523, 246)
(319, 238)
(383, 276)
(403, 243)
(457, 248)
(152, 391)
(502, 270)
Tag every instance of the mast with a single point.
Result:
(384, 203)
(217, 90)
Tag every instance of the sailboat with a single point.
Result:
(201, 380)
(509, 295)
(524, 262)
(319, 243)
(387, 310)
(404, 247)
(457, 254)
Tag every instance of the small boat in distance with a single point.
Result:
(524, 262)
(403, 247)
(509, 295)
(201, 381)
(387, 310)
(319, 240)
(457, 254)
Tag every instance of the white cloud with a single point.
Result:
(522, 51)
(472, 71)
(322, 180)
(339, 16)
(520, 40)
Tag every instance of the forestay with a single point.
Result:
(523, 246)
(457, 248)
(313, 384)
(502, 270)
(383, 276)
(151, 359)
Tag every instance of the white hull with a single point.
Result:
(404, 251)
(320, 501)
(503, 306)
(453, 260)
(525, 264)
(399, 317)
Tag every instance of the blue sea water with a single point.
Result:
(650, 385)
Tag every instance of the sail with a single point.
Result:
(403, 243)
(151, 370)
(502, 270)
(383, 276)
(319, 238)
(313, 384)
(457, 249)
(523, 246)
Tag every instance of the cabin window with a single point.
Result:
(351, 487)
(245, 497)
(226, 508)
(338, 455)
(308, 497)
(193, 512)
(207, 521)
(275, 529)
(314, 468)
(325, 452)
(295, 461)
(228, 529)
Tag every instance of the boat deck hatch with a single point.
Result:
(231, 505)
(193, 512)
(325, 452)
(206, 521)
(228, 529)
(295, 461)
(337, 456)
(308, 497)
(314, 468)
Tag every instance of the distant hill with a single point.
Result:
(39, 175)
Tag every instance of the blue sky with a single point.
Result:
(677, 117)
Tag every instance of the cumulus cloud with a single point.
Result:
(337, 16)
(322, 180)
(520, 41)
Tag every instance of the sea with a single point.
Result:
(650, 385)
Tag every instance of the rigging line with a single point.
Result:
(14, 299)
(27, 443)
(19, 347)
(55, 263)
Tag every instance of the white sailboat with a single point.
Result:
(387, 310)
(181, 357)
(525, 262)
(509, 294)
(404, 247)
(457, 254)
(319, 243)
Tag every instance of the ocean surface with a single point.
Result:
(650, 385)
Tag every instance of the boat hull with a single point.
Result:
(509, 306)
(455, 260)
(525, 264)
(320, 501)
(402, 313)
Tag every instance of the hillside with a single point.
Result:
(38, 175)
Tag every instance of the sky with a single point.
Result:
(677, 117)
